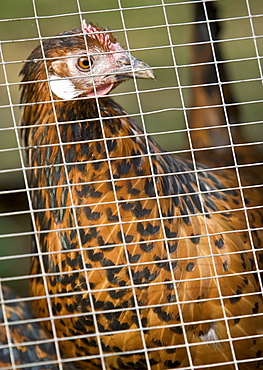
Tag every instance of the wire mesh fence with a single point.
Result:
(142, 258)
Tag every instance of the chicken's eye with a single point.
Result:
(84, 63)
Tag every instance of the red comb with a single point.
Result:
(104, 38)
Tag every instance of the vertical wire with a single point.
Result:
(243, 197)
(254, 39)
(195, 166)
(116, 201)
(27, 188)
(101, 354)
(240, 186)
(53, 326)
(8, 335)
(156, 194)
(136, 304)
(237, 174)
(231, 141)
(6, 326)
(190, 144)
(64, 162)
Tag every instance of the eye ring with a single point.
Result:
(84, 63)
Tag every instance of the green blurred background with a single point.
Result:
(162, 94)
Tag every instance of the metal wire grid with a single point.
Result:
(178, 84)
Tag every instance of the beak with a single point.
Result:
(130, 66)
(142, 70)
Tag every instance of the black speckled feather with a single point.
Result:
(31, 346)
(126, 229)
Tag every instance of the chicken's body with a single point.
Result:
(130, 269)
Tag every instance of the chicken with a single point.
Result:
(30, 343)
(147, 258)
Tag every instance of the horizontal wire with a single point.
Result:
(201, 170)
(39, 210)
(147, 48)
(157, 133)
(123, 309)
(239, 124)
(209, 191)
(192, 344)
(138, 286)
(129, 29)
(151, 112)
(31, 254)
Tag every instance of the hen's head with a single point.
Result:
(83, 62)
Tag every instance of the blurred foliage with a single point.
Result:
(19, 35)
